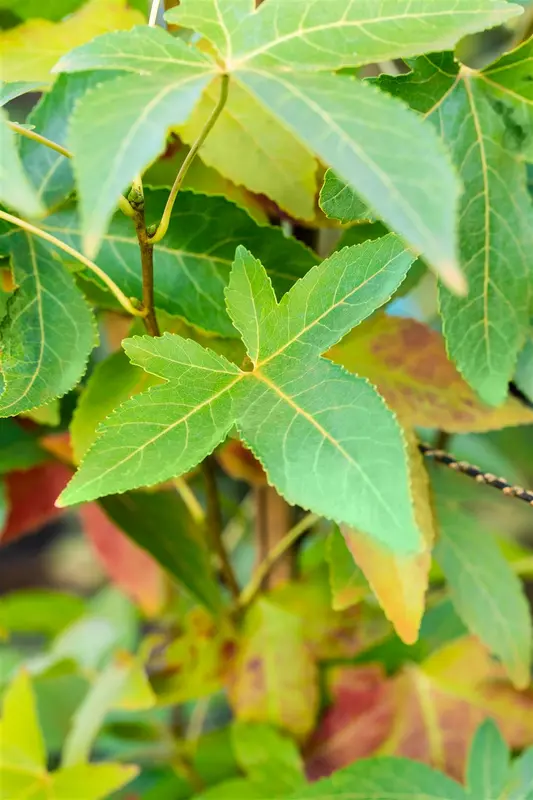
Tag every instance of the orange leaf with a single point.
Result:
(408, 364)
(241, 464)
(132, 569)
(400, 582)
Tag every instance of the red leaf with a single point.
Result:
(132, 569)
(31, 497)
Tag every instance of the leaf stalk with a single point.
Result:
(214, 525)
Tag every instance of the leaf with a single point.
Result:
(134, 112)
(348, 584)
(488, 763)
(39, 611)
(22, 742)
(4, 507)
(32, 495)
(356, 723)
(193, 262)
(98, 780)
(263, 155)
(15, 189)
(274, 678)
(309, 35)
(407, 363)
(375, 148)
(30, 50)
(104, 695)
(213, 394)
(267, 757)
(485, 591)
(53, 10)
(509, 79)
(19, 449)
(485, 330)
(48, 332)
(524, 369)
(388, 778)
(237, 789)
(160, 524)
(129, 567)
(49, 171)
(339, 201)
(520, 785)
(10, 91)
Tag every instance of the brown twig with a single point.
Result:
(147, 263)
(214, 525)
(441, 457)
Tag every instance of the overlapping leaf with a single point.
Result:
(192, 264)
(47, 333)
(485, 330)
(16, 190)
(407, 362)
(488, 763)
(334, 468)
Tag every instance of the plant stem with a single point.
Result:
(254, 587)
(191, 501)
(162, 228)
(37, 137)
(152, 19)
(273, 518)
(214, 525)
(147, 265)
(119, 294)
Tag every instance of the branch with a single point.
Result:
(254, 587)
(147, 265)
(162, 228)
(441, 457)
(214, 525)
(37, 137)
(112, 286)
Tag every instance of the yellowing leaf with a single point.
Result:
(90, 781)
(21, 740)
(30, 50)
(407, 362)
(275, 678)
(400, 582)
(251, 147)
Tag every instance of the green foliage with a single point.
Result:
(258, 591)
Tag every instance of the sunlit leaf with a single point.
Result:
(274, 678)
(48, 332)
(30, 50)
(98, 780)
(20, 734)
(407, 362)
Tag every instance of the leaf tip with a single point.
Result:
(453, 278)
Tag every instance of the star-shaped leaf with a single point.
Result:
(306, 419)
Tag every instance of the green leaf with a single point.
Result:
(509, 79)
(339, 201)
(524, 368)
(20, 735)
(16, 190)
(390, 778)
(520, 785)
(334, 467)
(308, 34)
(105, 694)
(396, 164)
(268, 757)
(159, 523)
(485, 329)
(49, 171)
(238, 789)
(99, 781)
(193, 262)
(275, 678)
(485, 591)
(4, 504)
(48, 332)
(348, 583)
(134, 114)
(18, 447)
(39, 611)
(53, 10)
(488, 763)
(9, 91)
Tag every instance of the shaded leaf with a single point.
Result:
(19, 449)
(339, 201)
(16, 190)
(30, 50)
(10, 91)
(274, 678)
(54, 10)
(524, 369)
(267, 757)
(488, 763)
(193, 262)
(131, 568)
(407, 362)
(348, 584)
(388, 778)
(213, 394)
(160, 524)
(485, 591)
(263, 156)
(309, 35)
(520, 785)
(47, 333)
